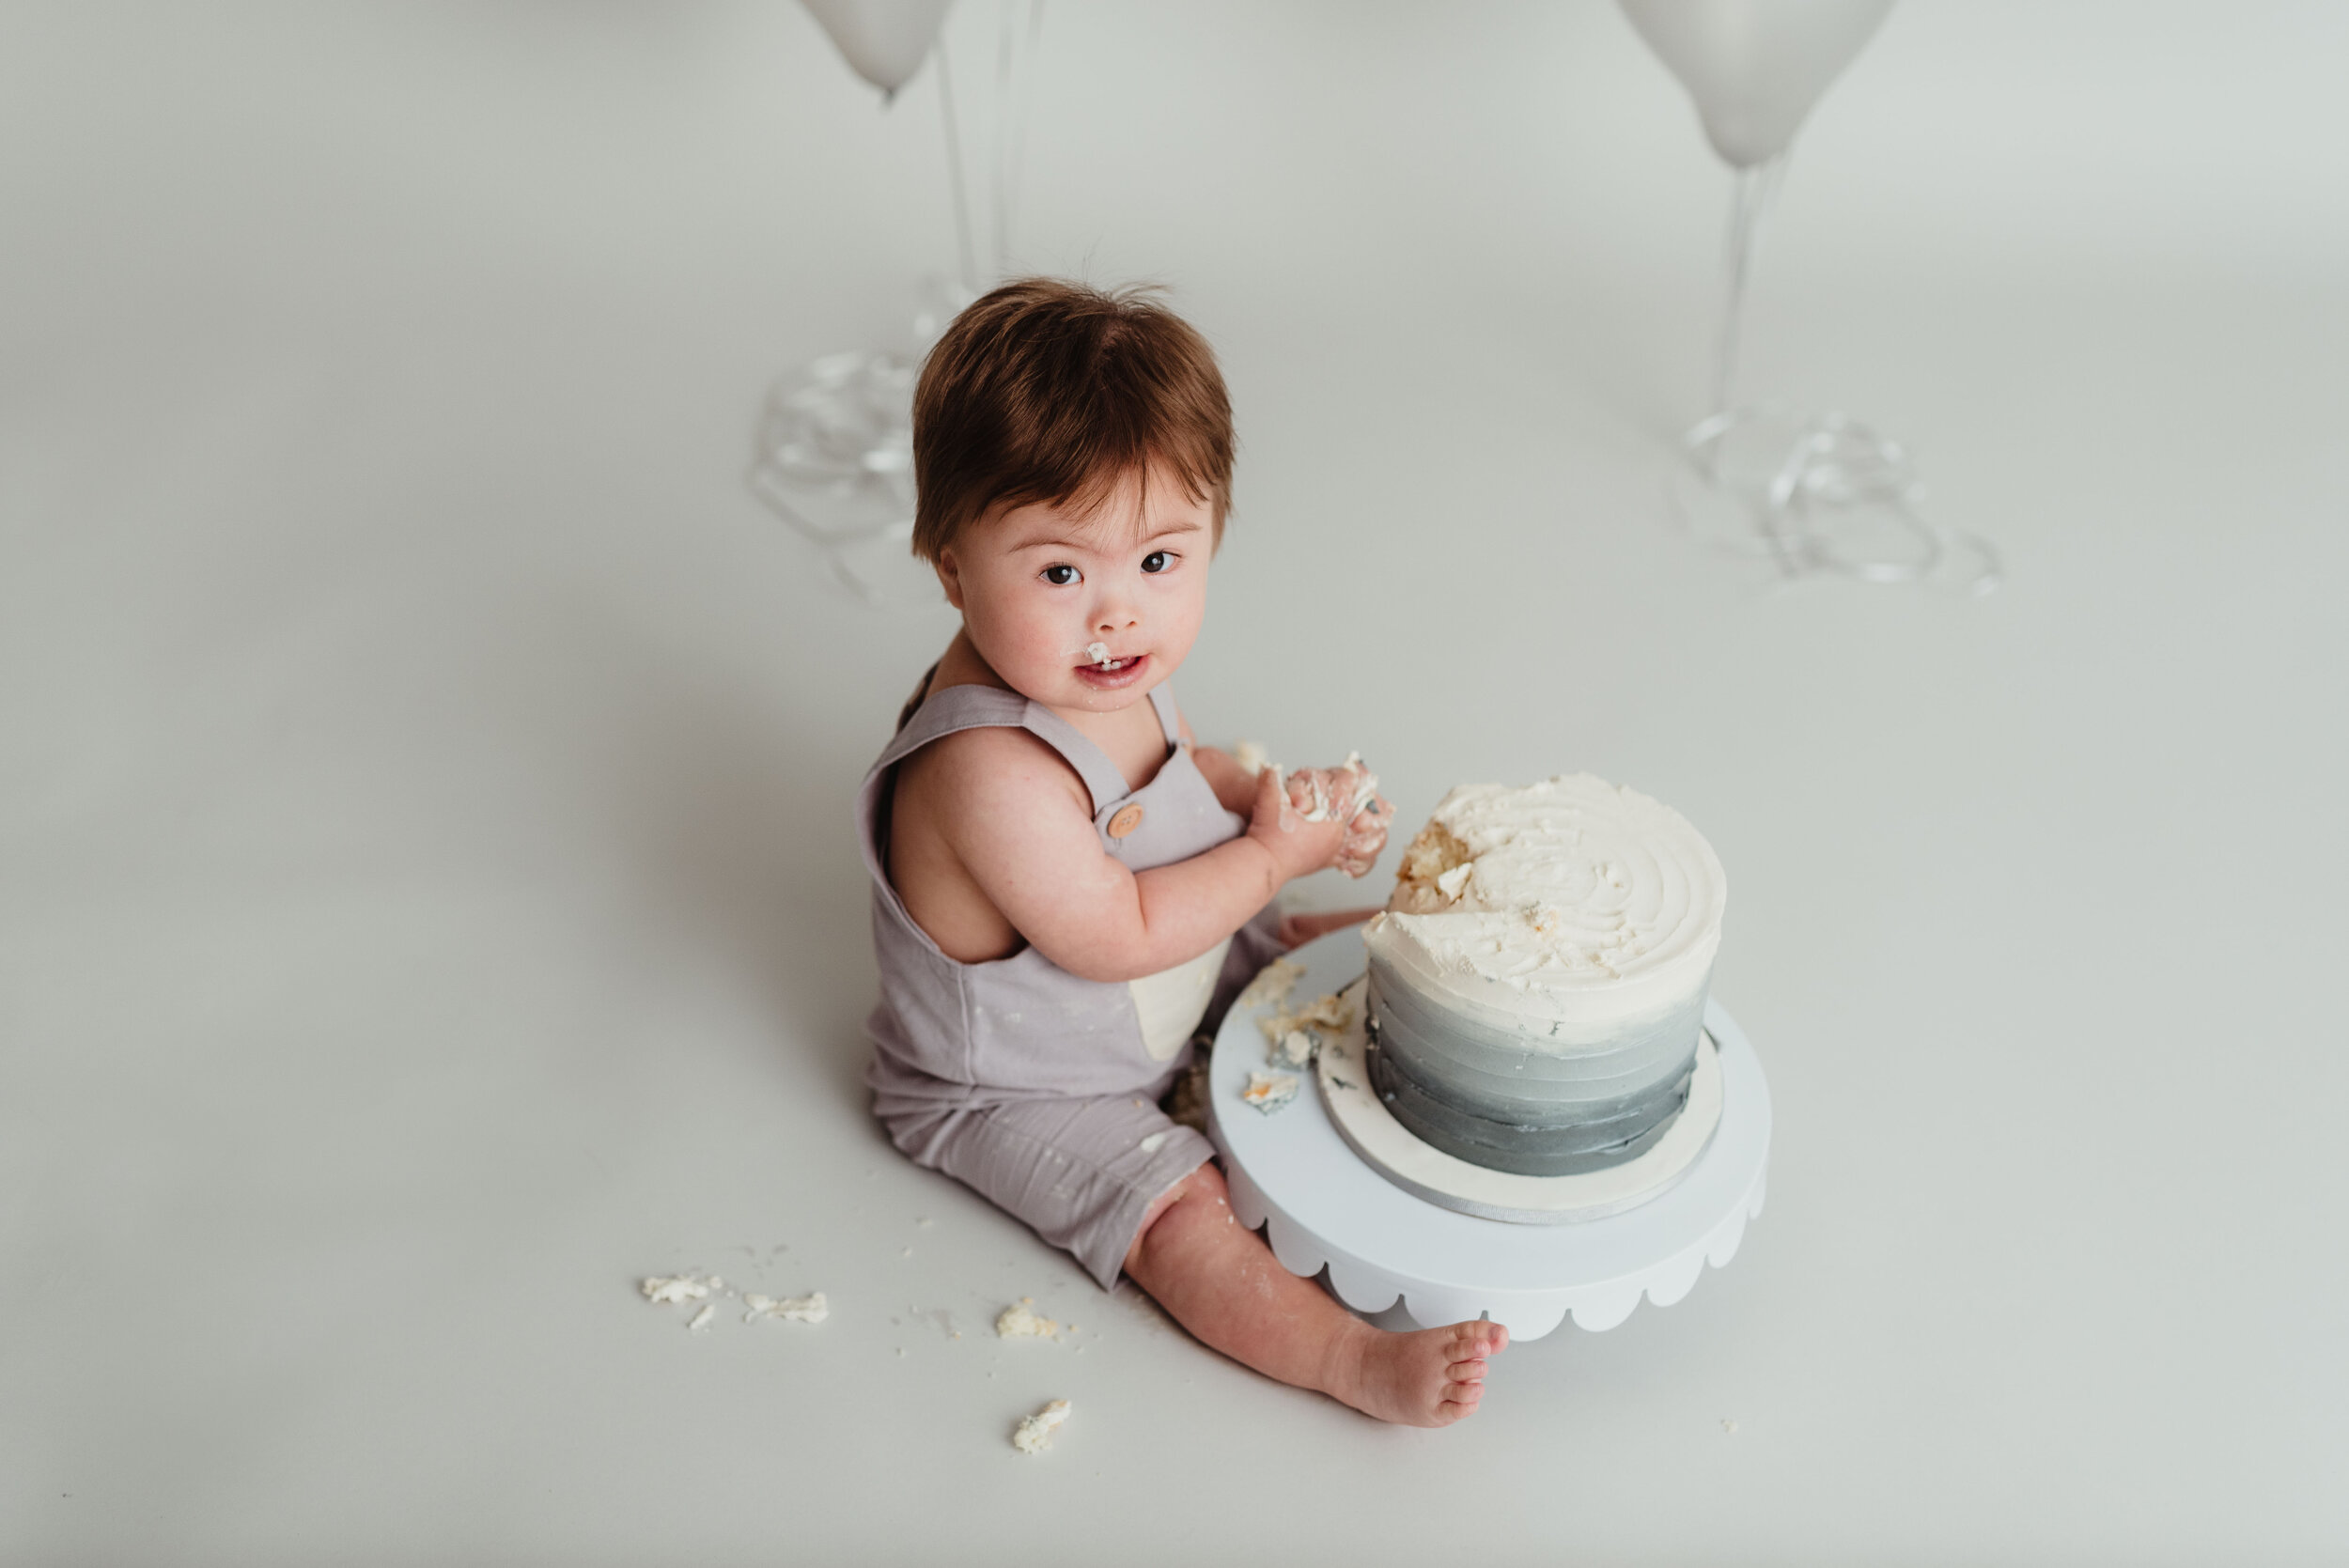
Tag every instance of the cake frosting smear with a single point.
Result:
(1538, 982)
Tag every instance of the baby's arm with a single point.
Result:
(1235, 787)
(1022, 826)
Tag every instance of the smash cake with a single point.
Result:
(1536, 986)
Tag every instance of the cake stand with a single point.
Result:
(1321, 1207)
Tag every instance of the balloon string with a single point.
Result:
(954, 172)
(1800, 484)
(1006, 43)
(1027, 106)
(1015, 95)
(1750, 195)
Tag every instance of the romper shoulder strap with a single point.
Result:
(1170, 717)
(970, 707)
(1103, 779)
(934, 714)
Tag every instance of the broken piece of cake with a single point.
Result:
(1021, 1321)
(1273, 983)
(1034, 1433)
(811, 1307)
(1294, 1037)
(1294, 1050)
(1332, 1013)
(1269, 1092)
(676, 1289)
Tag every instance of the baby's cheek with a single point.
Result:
(1029, 647)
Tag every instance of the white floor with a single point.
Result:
(427, 896)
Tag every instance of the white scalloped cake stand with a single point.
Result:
(1322, 1207)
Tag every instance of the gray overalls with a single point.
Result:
(1037, 1088)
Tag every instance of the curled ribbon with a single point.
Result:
(1828, 494)
(1817, 494)
(835, 459)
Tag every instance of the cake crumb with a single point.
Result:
(676, 1289)
(701, 1319)
(1269, 1092)
(1021, 1321)
(1295, 1048)
(1098, 653)
(1153, 1143)
(1251, 756)
(811, 1307)
(1327, 1015)
(1034, 1433)
(1273, 983)
(1729, 1426)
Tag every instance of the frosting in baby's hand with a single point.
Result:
(1349, 792)
(1322, 794)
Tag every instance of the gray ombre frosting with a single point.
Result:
(1537, 983)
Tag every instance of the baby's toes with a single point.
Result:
(1459, 1400)
(1473, 1341)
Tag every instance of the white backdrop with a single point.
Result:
(427, 895)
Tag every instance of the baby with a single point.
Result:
(1065, 882)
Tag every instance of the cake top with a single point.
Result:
(1572, 899)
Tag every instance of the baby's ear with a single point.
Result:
(949, 576)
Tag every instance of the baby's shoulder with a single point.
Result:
(987, 769)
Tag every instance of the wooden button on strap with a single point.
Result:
(1126, 820)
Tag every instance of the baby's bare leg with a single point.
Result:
(1220, 1281)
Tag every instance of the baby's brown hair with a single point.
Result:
(1054, 392)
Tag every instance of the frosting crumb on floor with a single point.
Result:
(1021, 1321)
(1034, 1433)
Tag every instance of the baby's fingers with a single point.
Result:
(1365, 836)
(1273, 800)
(1305, 791)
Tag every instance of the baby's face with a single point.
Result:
(1045, 591)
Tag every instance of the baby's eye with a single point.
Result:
(1158, 560)
(1060, 575)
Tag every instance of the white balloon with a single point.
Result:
(1755, 66)
(884, 41)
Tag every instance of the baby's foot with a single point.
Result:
(1432, 1377)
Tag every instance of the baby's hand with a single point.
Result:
(1298, 847)
(1365, 836)
(1348, 794)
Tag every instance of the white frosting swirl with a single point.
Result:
(1572, 902)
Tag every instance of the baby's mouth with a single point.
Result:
(1102, 669)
